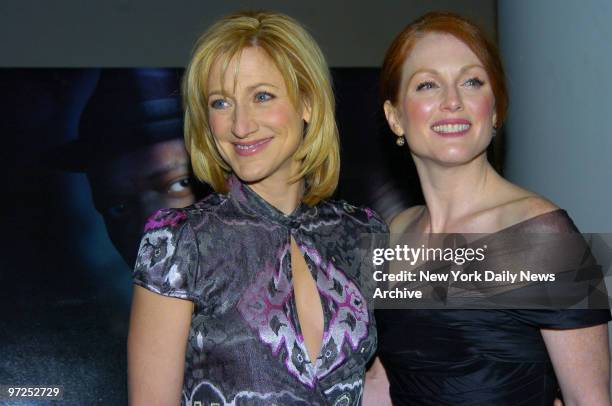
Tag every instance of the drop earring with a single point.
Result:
(400, 141)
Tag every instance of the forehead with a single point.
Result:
(135, 167)
(249, 66)
(439, 51)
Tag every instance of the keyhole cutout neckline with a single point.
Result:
(309, 308)
(304, 290)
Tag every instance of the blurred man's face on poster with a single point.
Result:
(132, 186)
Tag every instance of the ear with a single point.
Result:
(306, 111)
(393, 118)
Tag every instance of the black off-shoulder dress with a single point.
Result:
(477, 357)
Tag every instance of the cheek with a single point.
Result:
(483, 108)
(418, 112)
(279, 116)
(219, 124)
(166, 200)
(283, 118)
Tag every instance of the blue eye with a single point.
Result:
(263, 96)
(219, 104)
(426, 86)
(474, 82)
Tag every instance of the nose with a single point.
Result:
(452, 100)
(243, 122)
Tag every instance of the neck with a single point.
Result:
(452, 193)
(285, 196)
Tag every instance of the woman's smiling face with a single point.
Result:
(256, 127)
(445, 107)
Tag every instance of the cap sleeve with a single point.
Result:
(167, 260)
(378, 238)
(377, 224)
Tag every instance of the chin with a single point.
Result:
(251, 175)
(460, 157)
(452, 156)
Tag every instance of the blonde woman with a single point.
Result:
(252, 296)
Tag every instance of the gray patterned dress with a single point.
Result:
(230, 255)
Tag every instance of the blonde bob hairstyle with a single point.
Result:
(306, 76)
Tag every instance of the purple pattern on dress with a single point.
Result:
(163, 218)
(230, 254)
(263, 309)
(351, 319)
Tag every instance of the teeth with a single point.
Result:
(450, 128)
(249, 146)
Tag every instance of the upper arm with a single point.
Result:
(157, 340)
(581, 359)
(376, 388)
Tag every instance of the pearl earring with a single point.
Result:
(400, 141)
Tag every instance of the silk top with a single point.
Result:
(230, 255)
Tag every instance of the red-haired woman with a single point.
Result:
(444, 96)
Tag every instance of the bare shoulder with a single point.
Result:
(406, 219)
(522, 205)
(530, 205)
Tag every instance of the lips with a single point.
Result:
(451, 128)
(251, 148)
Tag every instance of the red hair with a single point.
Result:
(458, 27)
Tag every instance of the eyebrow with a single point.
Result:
(171, 166)
(461, 71)
(249, 88)
(256, 85)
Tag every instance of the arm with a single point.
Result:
(376, 388)
(581, 359)
(157, 340)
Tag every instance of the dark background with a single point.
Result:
(64, 291)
